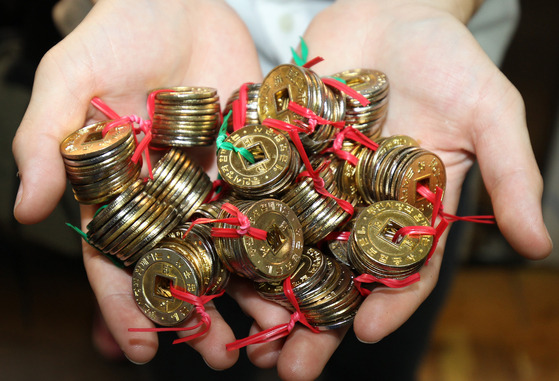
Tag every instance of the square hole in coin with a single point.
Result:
(258, 153)
(94, 136)
(389, 230)
(282, 99)
(421, 182)
(355, 81)
(162, 286)
(275, 238)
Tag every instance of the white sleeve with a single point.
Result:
(277, 25)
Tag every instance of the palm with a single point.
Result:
(447, 94)
(119, 53)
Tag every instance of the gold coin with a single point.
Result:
(89, 141)
(283, 84)
(375, 227)
(152, 278)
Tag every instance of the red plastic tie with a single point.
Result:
(143, 126)
(216, 194)
(389, 282)
(310, 172)
(353, 134)
(104, 108)
(337, 236)
(198, 302)
(435, 231)
(347, 90)
(313, 62)
(312, 117)
(430, 196)
(278, 331)
(238, 219)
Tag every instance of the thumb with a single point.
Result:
(511, 175)
(56, 109)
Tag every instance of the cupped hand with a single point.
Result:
(121, 51)
(446, 93)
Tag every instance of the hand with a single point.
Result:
(445, 92)
(121, 51)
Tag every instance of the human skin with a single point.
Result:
(444, 91)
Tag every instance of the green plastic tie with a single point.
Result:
(339, 79)
(300, 60)
(79, 231)
(115, 261)
(99, 210)
(220, 142)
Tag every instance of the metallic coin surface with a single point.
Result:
(151, 280)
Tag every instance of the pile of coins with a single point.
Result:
(373, 85)
(188, 263)
(100, 167)
(291, 83)
(251, 107)
(276, 162)
(396, 169)
(149, 223)
(185, 117)
(132, 224)
(372, 249)
(179, 181)
(323, 288)
(319, 214)
(269, 260)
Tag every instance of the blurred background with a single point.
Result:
(501, 316)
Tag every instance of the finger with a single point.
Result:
(112, 287)
(302, 355)
(266, 314)
(386, 309)
(305, 354)
(54, 111)
(211, 345)
(510, 171)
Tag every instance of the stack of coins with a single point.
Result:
(319, 214)
(179, 181)
(323, 288)
(152, 278)
(396, 170)
(100, 167)
(291, 83)
(131, 225)
(371, 246)
(373, 85)
(251, 112)
(188, 262)
(276, 162)
(269, 260)
(185, 117)
(346, 174)
(199, 242)
(338, 248)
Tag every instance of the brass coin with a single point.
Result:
(89, 141)
(151, 280)
(427, 169)
(374, 229)
(272, 154)
(283, 84)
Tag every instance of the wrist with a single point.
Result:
(463, 10)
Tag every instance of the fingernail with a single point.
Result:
(368, 342)
(135, 362)
(549, 238)
(18, 196)
(211, 367)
